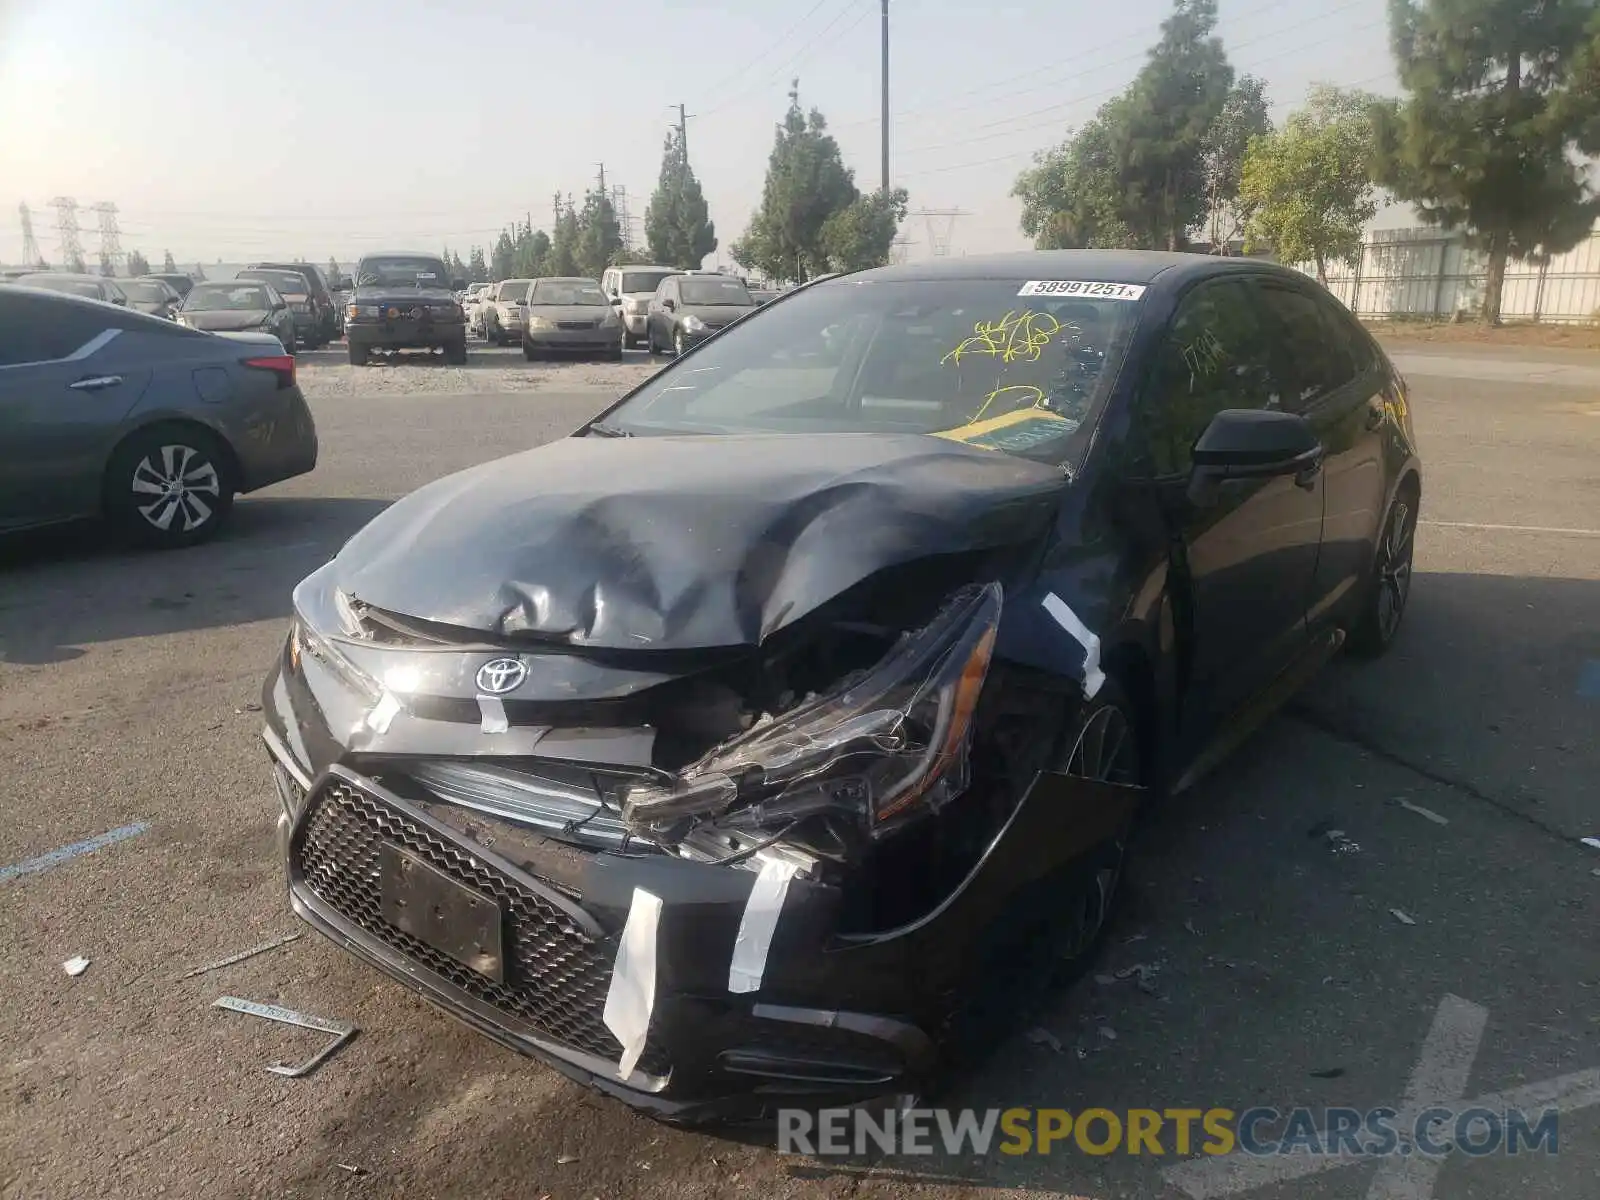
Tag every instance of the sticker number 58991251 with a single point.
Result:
(1078, 287)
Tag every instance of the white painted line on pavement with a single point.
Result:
(1513, 528)
(1439, 1078)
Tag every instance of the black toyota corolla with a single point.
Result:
(718, 752)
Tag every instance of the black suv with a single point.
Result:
(405, 302)
(320, 295)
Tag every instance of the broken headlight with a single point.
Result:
(889, 743)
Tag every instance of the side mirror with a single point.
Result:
(279, 305)
(669, 305)
(1253, 443)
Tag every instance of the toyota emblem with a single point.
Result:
(501, 675)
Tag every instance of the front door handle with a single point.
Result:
(1374, 417)
(96, 383)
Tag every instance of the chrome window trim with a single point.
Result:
(95, 344)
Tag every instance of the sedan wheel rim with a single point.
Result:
(1394, 569)
(176, 485)
(1106, 753)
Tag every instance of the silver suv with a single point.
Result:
(630, 289)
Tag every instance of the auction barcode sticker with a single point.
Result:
(1078, 287)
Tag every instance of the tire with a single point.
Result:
(650, 338)
(1383, 607)
(527, 350)
(615, 355)
(1051, 930)
(358, 355)
(455, 353)
(629, 341)
(137, 498)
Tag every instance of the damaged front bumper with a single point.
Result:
(692, 989)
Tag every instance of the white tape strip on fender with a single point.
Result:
(632, 995)
(1093, 677)
(758, 924)
(493, 711)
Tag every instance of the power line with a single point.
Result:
(866, 10)
(782, 39)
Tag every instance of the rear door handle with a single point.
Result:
(96, 383)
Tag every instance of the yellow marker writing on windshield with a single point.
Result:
(1015, 337)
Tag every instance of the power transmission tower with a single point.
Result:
(67, 230)
(900, 250)
(619, 203)
(30, 244)
(941, 227)
(110, 237)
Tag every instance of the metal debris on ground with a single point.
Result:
(354, 1170)
(1402, 917)
(1137, 937)
(242, 955)
(1108, 1033)
(1592, 842)
(252, 707)
(1340, 843)
(1139, 972)
(1426, 813)
(1043, 1037)
(75, 966)
(342, 1034)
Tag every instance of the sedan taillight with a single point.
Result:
(281, 365)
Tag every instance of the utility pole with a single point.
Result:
(683, 135)
(602, 167)
(885, 118)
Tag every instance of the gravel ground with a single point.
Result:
(490, 369)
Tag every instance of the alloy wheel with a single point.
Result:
(1105, 751)
(176, 486)
(1394, 568)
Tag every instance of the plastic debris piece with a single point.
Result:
(1043, 1037)
(1426, 813)
(565, 1159)
(632, 995)
(1137, 937)
(1328, 1073)
(1189, 925)
(252, 707)
(1592, 842)
(1107, 1032)
(1139, 971)
(75, 966)
(1402, 917)
(1340, 842)
(352, 1168)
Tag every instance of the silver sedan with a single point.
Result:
(106, 412)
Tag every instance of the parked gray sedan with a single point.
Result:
(570, 316)
(106, 412)
(238, 307)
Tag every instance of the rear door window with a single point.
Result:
(34, 331)
(1317, 358)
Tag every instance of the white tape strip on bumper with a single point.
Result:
(759, 923)
(1093, 677)
(632, 996)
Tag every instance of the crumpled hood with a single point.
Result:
(226, 319)
(684, 542)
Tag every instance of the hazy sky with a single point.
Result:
(229, 130)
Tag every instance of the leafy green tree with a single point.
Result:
(1243, 117)
(861, 234)
(1135, 176)
(503, 260)
(1072, 196)
(677, 224)
(807, 183)
(137, 264)
(1502, 96)
(334, 274)
(477, 268)
(168, 264)
(599, 233)
(1308, 186)
(563, 256)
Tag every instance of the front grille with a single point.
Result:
(556, 974)
(577, 324)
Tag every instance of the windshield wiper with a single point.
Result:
(602, 429)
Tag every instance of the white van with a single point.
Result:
(629, 289)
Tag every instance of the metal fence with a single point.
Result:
(1420, 274)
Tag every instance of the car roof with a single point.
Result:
(563, 279)
(398, 254)
(75, 276)
(1123, 266)
(647, 267)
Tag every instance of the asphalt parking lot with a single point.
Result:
(1381, 900)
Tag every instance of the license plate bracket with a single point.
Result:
(442, 912)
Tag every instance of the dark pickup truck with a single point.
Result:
(405, 302)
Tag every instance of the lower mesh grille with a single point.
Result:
(557, 975)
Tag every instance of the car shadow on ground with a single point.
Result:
(65, 588)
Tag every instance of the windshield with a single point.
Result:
(713, 291)
(512, 291)
(73, 287)
(402, 271)
(226, 298)
(967, 359)
(287, 282)
(565, 291)
(150, 293)
(643, 281)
